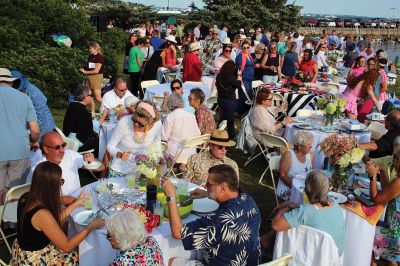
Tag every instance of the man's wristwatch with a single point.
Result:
(169, 198)
(372, 178)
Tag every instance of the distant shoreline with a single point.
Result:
(388, 34)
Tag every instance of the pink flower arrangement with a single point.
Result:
(336, 146)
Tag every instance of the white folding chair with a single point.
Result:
(377, 130)
(273, 164)
(255, 84)
(282, 261)
(190, 143)
(195, 83)
(71, 143)
(147, 83)
(277, 99)
(8, 211)
(158, 101)
(248, 101)
(210, 102)
(222, 125)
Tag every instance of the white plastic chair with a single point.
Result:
(189, 143)
(223, 125)
(8, 211)
(277, 99)
(71, 143)
(158, 101)
(377, 130)
(309, 246)
(210, 102)
(255, 84)
(248, 101)
(282, 261)
(147, 83)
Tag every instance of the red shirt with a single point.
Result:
(307, 67)
(192, 70)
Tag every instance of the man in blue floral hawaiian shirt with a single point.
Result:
(227, 236)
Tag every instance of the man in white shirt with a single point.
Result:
(196, 31)
(114, 98)
(53, 147)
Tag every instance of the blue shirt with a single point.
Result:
(156, 42)
(228, 236)
(329, 220)
(16, 109)
(222, 35)
(289, 64)
(248, 71)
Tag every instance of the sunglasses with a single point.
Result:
(228, 51)
(176, 88)
(56, 147)
(137, 123)
(246, 47)
(273, 47)
(62, 181)
(208, 184)
(219, 147)
(269, 99)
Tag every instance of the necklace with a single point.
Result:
(139, 139)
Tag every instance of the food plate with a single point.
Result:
(305, 126)
(80, 217)
(328, 129)
(299, 119)
(362, 192)
(204, 205)
(92, 165)
(362, 129)
(337, 197)
(365, 184)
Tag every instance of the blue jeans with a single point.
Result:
(228, 108)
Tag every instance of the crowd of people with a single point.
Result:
(230, 235)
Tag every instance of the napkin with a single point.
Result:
(371, 214)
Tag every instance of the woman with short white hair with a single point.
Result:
(296, 161)
(126, 232)
(178, 127)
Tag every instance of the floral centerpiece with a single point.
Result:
(151, 164)
(332, 105)
(343, 153)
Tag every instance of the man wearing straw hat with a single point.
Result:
(199, 163)
(192, 70)
(16, 112)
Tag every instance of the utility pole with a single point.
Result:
(167, 4)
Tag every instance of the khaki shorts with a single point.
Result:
(94, 82)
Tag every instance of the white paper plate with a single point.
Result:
(80, 217)
(337, 197)
(204, 205)
(92, 165)
(362, 192)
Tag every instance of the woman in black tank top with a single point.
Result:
(41, 240)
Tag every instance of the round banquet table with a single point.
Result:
(96, 250)
(359, 234)
(318, 137)
(159, 89)
(106, 131)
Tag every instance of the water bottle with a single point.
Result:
(351, 173)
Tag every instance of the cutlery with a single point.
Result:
(91, 217)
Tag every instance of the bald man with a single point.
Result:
(53, 148)
(384, 146)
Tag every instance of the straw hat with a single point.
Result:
(5, 75)
(170, 38)
(226, 41)
(221, 137)
(194, 47)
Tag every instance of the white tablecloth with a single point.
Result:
(359, 236)
(319, 136)
(106, 132)
(159, 89)
(96, 250)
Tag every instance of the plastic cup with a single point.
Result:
(88, 204)
(130, 181)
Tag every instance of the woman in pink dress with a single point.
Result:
(358, 68)
(360, 87)
(382, 62)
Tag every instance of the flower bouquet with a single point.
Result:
(151, 164)
(332, 105)
(149, 220)
(343, 153)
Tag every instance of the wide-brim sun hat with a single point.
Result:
(221, 137)
(194, 47)
(5, 75)
(226, 41)
(170, 38)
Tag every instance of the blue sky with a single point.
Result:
(371, 8)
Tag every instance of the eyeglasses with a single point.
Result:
(246, 47)
(109, 238)
(208, 184)
(228, 51)
(137, 123)
(56, 147)
(62, 181)
(269, 99)
(273, 47)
